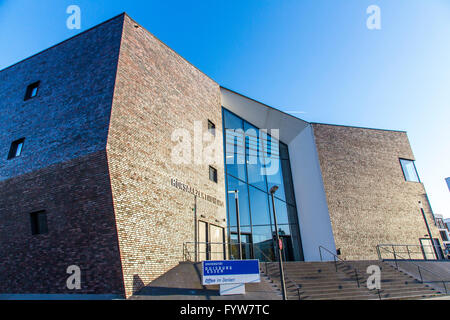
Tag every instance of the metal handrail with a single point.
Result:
(187, 257)
(285, 276)
(409, 251)
(418, 268)
(335, 262)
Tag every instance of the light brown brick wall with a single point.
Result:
(157, 92)
(368, 198)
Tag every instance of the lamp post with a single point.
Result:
(195, 229)
(238, 222)
(280, 260)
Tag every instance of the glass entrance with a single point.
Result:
(246, 242)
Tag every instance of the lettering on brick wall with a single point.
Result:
(187, 188)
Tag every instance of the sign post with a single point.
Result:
(231, 275)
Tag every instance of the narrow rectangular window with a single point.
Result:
(32, 90)
(409, 170)
(212, 174)
(38, 222)
(211, 127)
(16, 148)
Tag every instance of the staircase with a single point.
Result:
(321, 281)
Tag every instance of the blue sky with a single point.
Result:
(316, 57)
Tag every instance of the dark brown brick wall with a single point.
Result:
(368, 198)
(157, 92)
(81, 229)
(70, 116)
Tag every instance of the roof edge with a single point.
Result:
(266, 105)
(356, 127)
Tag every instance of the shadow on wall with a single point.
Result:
(138, 284)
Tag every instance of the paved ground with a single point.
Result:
(184, 282)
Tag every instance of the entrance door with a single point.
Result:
(202, 241)
(217, 246)
(287, 252)
(246, 241)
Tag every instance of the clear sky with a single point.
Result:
(315, 58)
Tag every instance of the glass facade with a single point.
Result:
(254, 162)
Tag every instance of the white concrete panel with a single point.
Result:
(263, 116)
(312, 208)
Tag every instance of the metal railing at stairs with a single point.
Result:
(336, 259)
(286, 278)
(357, 276)
(217, 250)
(420, 269)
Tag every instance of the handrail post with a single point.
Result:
(357, 280)
(409, 254)
(395, 257)
(320, 253)
(335, 264)
(420, 273)
(378, 251)
(445, 287)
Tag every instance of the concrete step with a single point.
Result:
(321, 281)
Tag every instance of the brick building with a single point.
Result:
(119, 155)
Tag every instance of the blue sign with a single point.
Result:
(230, 271)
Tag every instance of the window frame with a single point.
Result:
(37, 227)
(13, 148)
(211, 127)
(30, 88)
(214, 171)
(415, 169)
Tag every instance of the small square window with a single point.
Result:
(32, 90)
(38, 222)
(211, 128)
(212, 174)
(409, 170)
(16, 149)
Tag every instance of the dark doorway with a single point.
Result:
(246, 241)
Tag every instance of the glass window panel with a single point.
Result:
(281, 211)
(409, 170)
(244, 214)
(263, 243)
(284, 230)
(288, 184)
(255, 171)
(259, 207)
(235, 153)
(232, 121)
(275, 176)
(19, 149)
